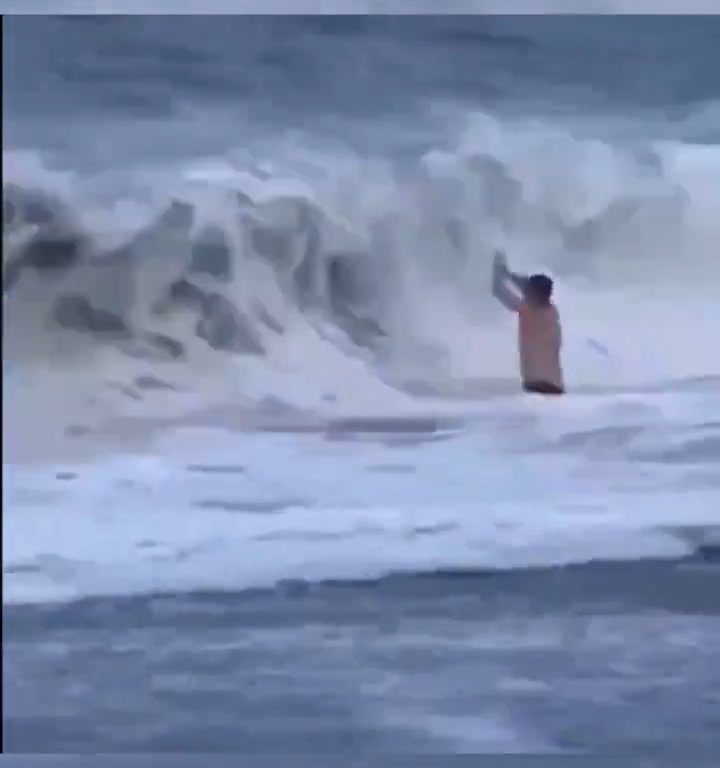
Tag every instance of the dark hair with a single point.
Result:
(540, 287)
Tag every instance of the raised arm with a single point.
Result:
(519, 281)
(501, 291)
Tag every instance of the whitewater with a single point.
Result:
(411, 314)
(248, 358)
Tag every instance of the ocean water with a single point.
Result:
(269, 483)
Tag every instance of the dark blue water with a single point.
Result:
(602, 659)
(327, 73)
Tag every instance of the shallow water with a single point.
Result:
(366, 595)
(601, 658)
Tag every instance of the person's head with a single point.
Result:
(538, 289)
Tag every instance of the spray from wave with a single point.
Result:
(329, 280)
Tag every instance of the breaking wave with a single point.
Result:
(323, 279)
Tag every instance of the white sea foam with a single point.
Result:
(213, 509)
(601, 474)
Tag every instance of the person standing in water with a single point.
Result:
(539, 332)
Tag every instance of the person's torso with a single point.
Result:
(539, 343)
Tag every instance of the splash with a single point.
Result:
(326, 279)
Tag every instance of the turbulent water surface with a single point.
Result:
(269, 483)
